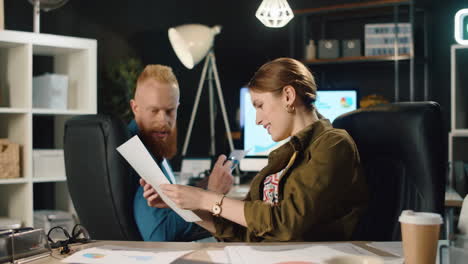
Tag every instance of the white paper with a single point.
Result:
(350, 249)
(139, 158)
(218, 256)
(278, 254)
(394, 248)
(101, 256)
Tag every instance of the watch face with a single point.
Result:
(216, 209)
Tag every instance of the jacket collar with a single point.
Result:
(279, 158)
(302, 139)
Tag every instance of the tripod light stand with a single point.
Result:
(192, 43)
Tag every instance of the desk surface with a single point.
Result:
(452, 198)
(199, 254)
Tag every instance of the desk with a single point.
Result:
(199, 254)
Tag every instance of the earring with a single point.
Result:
(290, 109)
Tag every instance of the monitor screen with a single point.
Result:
(330, 103)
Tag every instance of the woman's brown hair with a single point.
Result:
(273, 76)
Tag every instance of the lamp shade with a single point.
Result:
(192, 42)
(274, 13)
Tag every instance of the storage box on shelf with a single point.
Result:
(72, 57)
(48, 164)
(388, 39)
(9, 159)
(50, 91)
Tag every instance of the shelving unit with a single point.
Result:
(458, 136)
(314, 23)
(359, 59)
(74, 57)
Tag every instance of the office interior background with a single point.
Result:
(138, 30)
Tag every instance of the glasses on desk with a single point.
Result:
(59, 237)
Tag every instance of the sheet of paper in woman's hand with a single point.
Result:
(140, 159)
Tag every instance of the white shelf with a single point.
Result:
(42, 111)
(459, 133)
(71, 56)
(13, 181)
(49, 179)
(46, 43)
(8, 110)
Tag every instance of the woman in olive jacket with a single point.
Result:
(312, 188)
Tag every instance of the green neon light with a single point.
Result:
(461, 26)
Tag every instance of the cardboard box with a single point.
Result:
(50, 91)
(9, 159)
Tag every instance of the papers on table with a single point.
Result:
(139, 158)
(280, 254)
(293, 253)
(394, 248)
(261, 253)
(218, 256)
(100, 256)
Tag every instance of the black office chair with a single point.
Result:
(99, 178)
(401, 148)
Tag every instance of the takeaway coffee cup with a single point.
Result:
(420, 233)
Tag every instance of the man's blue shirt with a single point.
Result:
(159, 224)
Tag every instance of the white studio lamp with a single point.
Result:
(274, 13)
(192, 43)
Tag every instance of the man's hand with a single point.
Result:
(151, 196)
(221, 179)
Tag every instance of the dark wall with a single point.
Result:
(139, 29)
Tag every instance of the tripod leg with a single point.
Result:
(212, 111)
(195, 108)
(221, 100)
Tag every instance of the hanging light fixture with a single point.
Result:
(274, 13)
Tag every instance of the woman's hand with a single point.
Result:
(188, 197)
(151, 196)
(221, 179)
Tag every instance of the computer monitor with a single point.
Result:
(330, 103)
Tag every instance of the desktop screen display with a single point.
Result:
(330, 103)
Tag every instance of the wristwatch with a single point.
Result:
(216, 209)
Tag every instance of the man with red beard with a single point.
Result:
(154, 106)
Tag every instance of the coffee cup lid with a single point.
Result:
(420, 218)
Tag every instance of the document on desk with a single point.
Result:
(97, 255)
(280, 254)
(140, 159)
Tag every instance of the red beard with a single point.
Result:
(161, 148)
